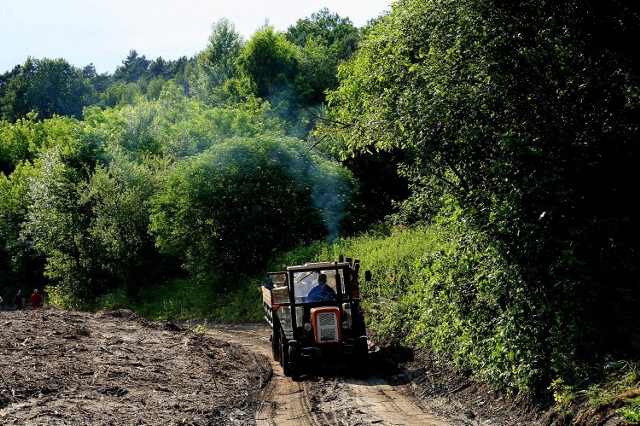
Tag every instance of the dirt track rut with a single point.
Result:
(330, 399)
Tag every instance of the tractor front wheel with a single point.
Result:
(294, 362)
(360, 359)
(284, 356)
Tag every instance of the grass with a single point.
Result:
(192, 299)
(618, 391)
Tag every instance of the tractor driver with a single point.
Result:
(322, 292)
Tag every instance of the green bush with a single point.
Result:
(192, 299)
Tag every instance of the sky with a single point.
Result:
(103, 32)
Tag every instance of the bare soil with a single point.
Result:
(115, 368)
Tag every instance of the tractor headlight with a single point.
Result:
(307, 326)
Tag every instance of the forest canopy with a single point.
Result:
(199, 164)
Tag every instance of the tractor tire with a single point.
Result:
(360, 360)
(295, 362)
(275, 345)
(284, 357)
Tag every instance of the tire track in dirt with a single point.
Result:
(284, 402)
(329, 400)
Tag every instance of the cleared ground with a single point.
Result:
(113, 368)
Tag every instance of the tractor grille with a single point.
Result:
(327, 327)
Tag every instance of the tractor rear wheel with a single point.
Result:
(275, 345)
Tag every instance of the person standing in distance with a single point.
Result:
(36, 301)
(19, 300)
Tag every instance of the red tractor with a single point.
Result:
(315, 315)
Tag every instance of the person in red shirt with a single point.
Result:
(36, 301)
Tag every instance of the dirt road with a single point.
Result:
(115, 368)
(333, 398)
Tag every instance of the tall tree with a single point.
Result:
(270, 61)
(325, 39)
(48, 87)
(55, 228)
(19, 264)
(133, 68)
(116, 200)
(337, 32)
(526, 118)
(219, 58)
(217, 63)
(317, 71)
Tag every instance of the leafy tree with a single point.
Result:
(16, 141)
(91, 228)
(55, 229)
(217, 63)
(100, 82)
(240, 202)
(130, 129)
(225, 45)
(166, 70)
(174, 126)
(18, 263)
(120, 94)
(155, 87)
(338, 33)
(139, 76)
(115, 197)
(522, 115)
(317, 71)
(324, 39)
(6, 78)
(270, 61)
(54, 225)
(48, 87)
(27, 137)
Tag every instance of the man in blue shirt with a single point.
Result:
(322, 292)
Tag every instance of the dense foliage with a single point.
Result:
(47, 87)
(521, 121)
(245, 200)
